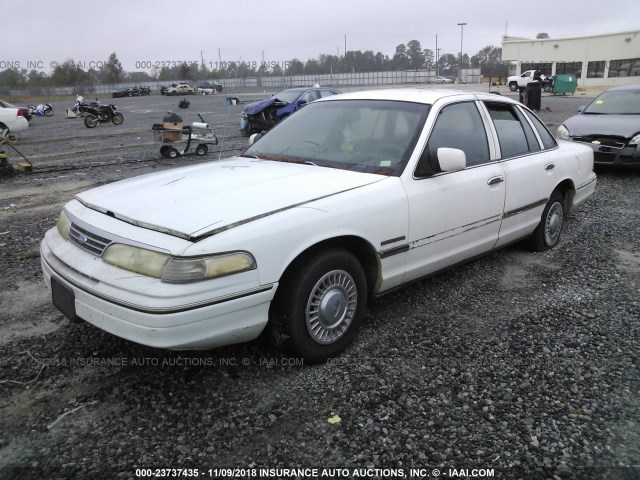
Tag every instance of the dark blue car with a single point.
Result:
(261, 116)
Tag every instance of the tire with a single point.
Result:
(513, 86)
(164, 150)
(48, 112)
(320, 305)
(90, 121)
(172, 153)
(117, 118)
(547, 233)
(547, 88)
(202, 150)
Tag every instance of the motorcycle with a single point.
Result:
(42, 110)
(102, 114)
(81, 107)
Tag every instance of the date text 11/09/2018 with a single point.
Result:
(268, 473)
(254, 65)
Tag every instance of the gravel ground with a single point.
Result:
(523, 363)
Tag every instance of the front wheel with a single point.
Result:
(49, 112)
(320, 305)
(172, 153)
(90, 121)
(513, 86)
(547, 233)
(117, 118)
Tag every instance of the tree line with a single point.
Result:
(406, 57)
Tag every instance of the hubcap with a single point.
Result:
(553, 224)
(331, 307)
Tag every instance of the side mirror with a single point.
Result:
(256, 136)
(440, 160)
(253, 138)
(302, 103)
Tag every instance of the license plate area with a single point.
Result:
(64, 299)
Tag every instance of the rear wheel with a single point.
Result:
(90, 121)
(202, 150)
(117, 118)
(513, 86)
(547, 88)
(172, 153)
(49, 112)
(164, 150)
(320, 305)
(547, 233)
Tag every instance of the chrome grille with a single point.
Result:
(90, 242)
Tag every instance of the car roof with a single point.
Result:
(418, 95)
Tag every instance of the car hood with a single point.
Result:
(257, 107)
(203, 200)
(609, 125)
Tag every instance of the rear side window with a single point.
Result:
(514, 133)
(547, 139)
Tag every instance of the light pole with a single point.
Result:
(460, 64)
(438, 61)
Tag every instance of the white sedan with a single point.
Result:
(349, 198)
(12, 118)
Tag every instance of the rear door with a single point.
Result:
(528, 154)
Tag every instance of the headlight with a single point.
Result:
(63, 225)
(184, 270)
(635, 140)
(563, 132)
(135, 259)
(176, 270)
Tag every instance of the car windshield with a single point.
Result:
(617, 102)
(373, 136)
(288, 96)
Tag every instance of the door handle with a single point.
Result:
(495, 180)
(549, 166)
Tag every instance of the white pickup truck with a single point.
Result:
(520, 81)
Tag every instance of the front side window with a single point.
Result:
(327, 93)
(310, 96)
(460, 126)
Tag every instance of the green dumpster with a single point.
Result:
(565, 84)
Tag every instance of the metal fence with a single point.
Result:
(471, 75)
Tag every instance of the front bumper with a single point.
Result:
(615, 156)
(176, 322)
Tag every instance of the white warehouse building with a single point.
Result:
(597, 61)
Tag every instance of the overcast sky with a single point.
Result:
(47, 31)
